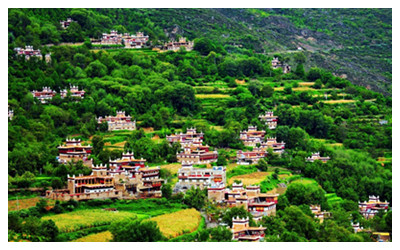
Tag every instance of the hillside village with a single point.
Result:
(127, 131)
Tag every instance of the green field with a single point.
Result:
(81, 219)
(332, 198)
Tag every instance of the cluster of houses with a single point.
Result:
(316, 156)
(276, 64)
(321, 215)
(139, 41)
(193, 149)
(257, 203)
(189, 176)
(47, 93)
(128, 40)
(130, 178)
(241, 230)
(118, 122)
(29, 52)
(370, 208)
(250, 198)
(270, 119)
(73, 151)
(214, 179)
(176, 45)
(66, 23)
(126, 177)
(256, 139)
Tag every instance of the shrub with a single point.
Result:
(129, 230)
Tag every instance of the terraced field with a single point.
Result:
(105, 236)
(306, 83)
(306, 181)
(345, 101)
(212, 96)
(250, 179)
(173, 167)
(80, 219)
(333, 198)
(178, 223)
(19, 204)
(219, 128)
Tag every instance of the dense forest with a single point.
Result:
(353, 42)
(163, 91)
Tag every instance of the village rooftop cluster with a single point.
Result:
(131, 178)
(47, 93)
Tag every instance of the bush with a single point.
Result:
(135, 231)
(49, 230)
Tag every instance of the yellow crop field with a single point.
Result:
(218, 128)
(99, 237)
(178, 223)
(306, 83)
(119, 144)
(250, 179)
(339, 101)
(148, 130)
(173, 167)
(14, 205)
(215, 96)
(240, 82)
(322, 95)
(231, 166)
(277, 190)
(298, 106)
(302, 89)
(305, 181)
(281, 176)
(335, 144)
(80, 219)
(204, 87)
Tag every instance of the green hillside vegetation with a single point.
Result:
(220, 89)
(355, 42)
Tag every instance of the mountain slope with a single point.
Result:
(352, 42)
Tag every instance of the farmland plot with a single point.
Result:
(178, 223)
(14, 205)
(250, 179)
(81, 219)
(105, 236)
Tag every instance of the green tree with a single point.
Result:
(296, 221)
(49, 230)
(41, 206)
(300, 72)
(166, 191)
(298, 193)
(204, 46)
(299, 57)
(262, 165)
(56, 183)
(267, 91)
(98, 144)
(195, 197)
(220, 234)
(14, 222)
(221, 160)
(134, 230)
(287, 90)
(96, 69)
